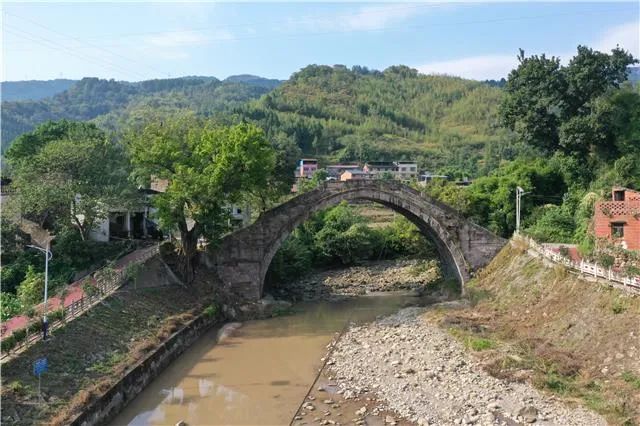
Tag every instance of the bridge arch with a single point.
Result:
(243, 258)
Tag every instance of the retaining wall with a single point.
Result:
(107, 406)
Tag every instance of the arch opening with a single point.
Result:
(243, 258)
(452, 266)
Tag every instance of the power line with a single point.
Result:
(56, 46)
(285, 21)
(85, 42)
(379, 30)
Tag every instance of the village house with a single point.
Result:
(355, 175)
(139, 222)
(618, 219)
(306, 168)
(378, 168)
(406, 170)
(334, 171)
(401, 170)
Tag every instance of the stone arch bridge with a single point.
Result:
(243, 257)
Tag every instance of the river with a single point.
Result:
(257, 373)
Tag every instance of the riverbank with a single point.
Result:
(90, 354)
(415, 276)
(530, 343)
(426, 376)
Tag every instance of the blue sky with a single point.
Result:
(136, 41)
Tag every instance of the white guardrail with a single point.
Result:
(584, 267)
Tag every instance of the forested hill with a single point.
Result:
(33, 90)
(446, 123)
(113, 101)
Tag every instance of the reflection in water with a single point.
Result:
(263, 367)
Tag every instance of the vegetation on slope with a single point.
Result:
(33, 90)
(581, 124)
(91, 353)
(574, 338)
(90, 98)
(448, 124)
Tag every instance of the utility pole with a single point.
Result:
(47, 257)
(519, 193)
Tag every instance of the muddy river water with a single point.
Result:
(256, 374)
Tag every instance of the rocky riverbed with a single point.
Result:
(383, 276)
(422, 375)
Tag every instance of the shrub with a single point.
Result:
(89, 288)
(632, 379)
(479, 343)
(9, 306)
(8, 343)
(19, 335)
(605, 260)
(632, 271)
(31, 289)
(17, 388)
(57, 315)
(35, 327)
(210, 311)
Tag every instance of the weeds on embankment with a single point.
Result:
(89, 355)
(576, 339)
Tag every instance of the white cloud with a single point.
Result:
(482, 67)
(627, 36)
(496, 66)
(363, 19)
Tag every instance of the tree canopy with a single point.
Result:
(208, 168)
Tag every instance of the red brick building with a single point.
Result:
(619, 218)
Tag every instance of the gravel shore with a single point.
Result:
(371, 277)
(427, 377)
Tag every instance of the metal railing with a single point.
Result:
(104, 287)
(584, 267)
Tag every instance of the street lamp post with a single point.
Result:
(519, 193)
(47, 257)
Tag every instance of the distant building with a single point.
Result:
(400, 170)
(306, 168)
(427, 177)
(355, 175)
(464, 182)
(127, 223)
(334, 171)
(618, 219)
(406, 170)
(377, 168)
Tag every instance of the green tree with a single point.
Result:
(208, 168)
(68, 174)
(551, 107)
(31, 289)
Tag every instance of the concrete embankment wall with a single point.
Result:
(135, 380)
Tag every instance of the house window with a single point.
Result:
(618, 195)
(617, 230)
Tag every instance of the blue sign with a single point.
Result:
(40, 366)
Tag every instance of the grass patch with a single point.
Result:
(106, 365)
(473, 342)
(619, 306)
(632, 379)
(477, 295)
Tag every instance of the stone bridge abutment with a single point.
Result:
(242, 259)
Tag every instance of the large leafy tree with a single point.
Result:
(555, 107)
(68, 174)
(208, 167)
